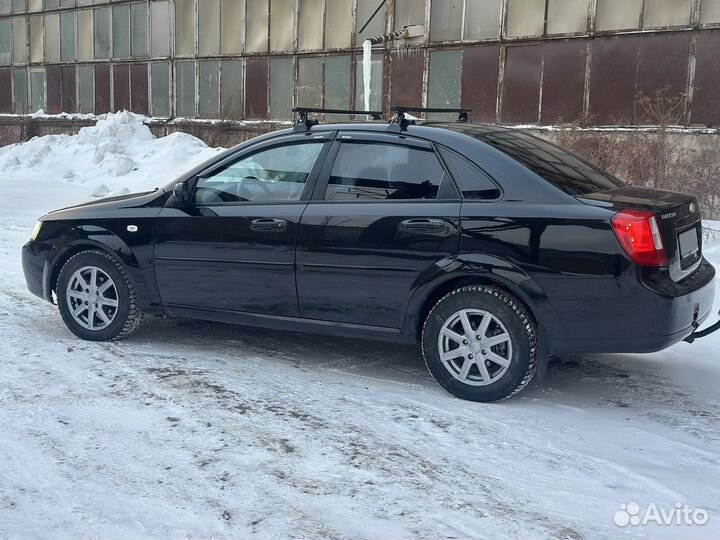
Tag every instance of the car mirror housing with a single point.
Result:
(181, 193)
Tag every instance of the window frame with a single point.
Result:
(321, 185)
(286, 140)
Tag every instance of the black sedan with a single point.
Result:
(487, 246)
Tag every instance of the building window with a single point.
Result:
(231, 89)
(20, 88)
(568, 16)
(159, 28)
(209, 89)
(338, 24)
(482, 19)
(6, 41)
(36, 38)
(337, 82)
(525, 18)
(282, 73)
(185, 27)
(19, 6)
(376, 25)
(160, 89)
(710, 11)
(86, 89)
(68, 31)
(409, 13)
(618, 14)
(185, 88)
(257, 26)
(310, 25)
(232, 26)
(310, 82)
(85, 34)
(52, 37)
(19, 31)
(281, 25)
(121, 31)
(139, 30)
(37, 89)
(102, 33)
(444, 81)
(209, 28)
(663, 13)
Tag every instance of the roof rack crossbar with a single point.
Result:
(399, 112)
(303, 122)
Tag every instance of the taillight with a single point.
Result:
(639, 235)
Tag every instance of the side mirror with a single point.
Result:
(181, 193)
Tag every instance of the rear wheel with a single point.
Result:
(479, 343)
(96, 298)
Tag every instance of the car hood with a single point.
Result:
(108, 205)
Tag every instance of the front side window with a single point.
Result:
(367, 171)
(277, 174)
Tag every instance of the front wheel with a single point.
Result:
(479, 343)
(96, 298)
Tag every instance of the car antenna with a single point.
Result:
(304, 123)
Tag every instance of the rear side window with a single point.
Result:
(559, 167)
(369, 171)
(472, 182)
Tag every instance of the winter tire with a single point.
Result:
(96, 298)
(479, 343)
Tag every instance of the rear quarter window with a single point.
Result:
(470, 180)
(562, 169)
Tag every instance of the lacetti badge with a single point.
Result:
(669, 215)
(692, 207)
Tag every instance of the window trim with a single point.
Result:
(318, 195)
(243, 153)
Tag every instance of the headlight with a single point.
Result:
(36, 231)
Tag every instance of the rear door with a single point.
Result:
(384, 212)
(233, 247)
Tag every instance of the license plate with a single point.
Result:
(689, 245)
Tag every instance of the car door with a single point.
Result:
(232, 247)
(384, 212)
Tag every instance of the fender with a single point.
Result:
(483, 268)
(138, 264)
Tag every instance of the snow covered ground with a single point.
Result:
(202, 430)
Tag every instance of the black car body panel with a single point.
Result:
(374, 268)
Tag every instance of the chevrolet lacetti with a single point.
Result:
(488, 247)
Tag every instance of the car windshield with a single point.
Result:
(559, 167)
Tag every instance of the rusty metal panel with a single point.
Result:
(54, 89)
(480, 69)
(521, 84)
(706, 98)
(121, 87)
(139, 88)
(613, 73)
(256, 88)
(563, 81)
(406, 79)
(6, 85)
(663, 63)
(102, 88)
(69, 101)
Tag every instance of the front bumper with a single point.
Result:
(36, 267)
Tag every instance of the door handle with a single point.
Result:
(269, 225)
(423, 225)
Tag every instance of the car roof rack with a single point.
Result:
(304, 122)
(399, 120)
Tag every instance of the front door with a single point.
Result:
(233, 247)
(384, 213)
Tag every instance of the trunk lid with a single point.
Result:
(678, 217)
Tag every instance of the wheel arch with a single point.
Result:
(100, 240)
(525, 289)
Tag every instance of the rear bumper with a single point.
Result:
(645, 313)
(36, 268)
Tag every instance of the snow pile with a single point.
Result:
(118, 155)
